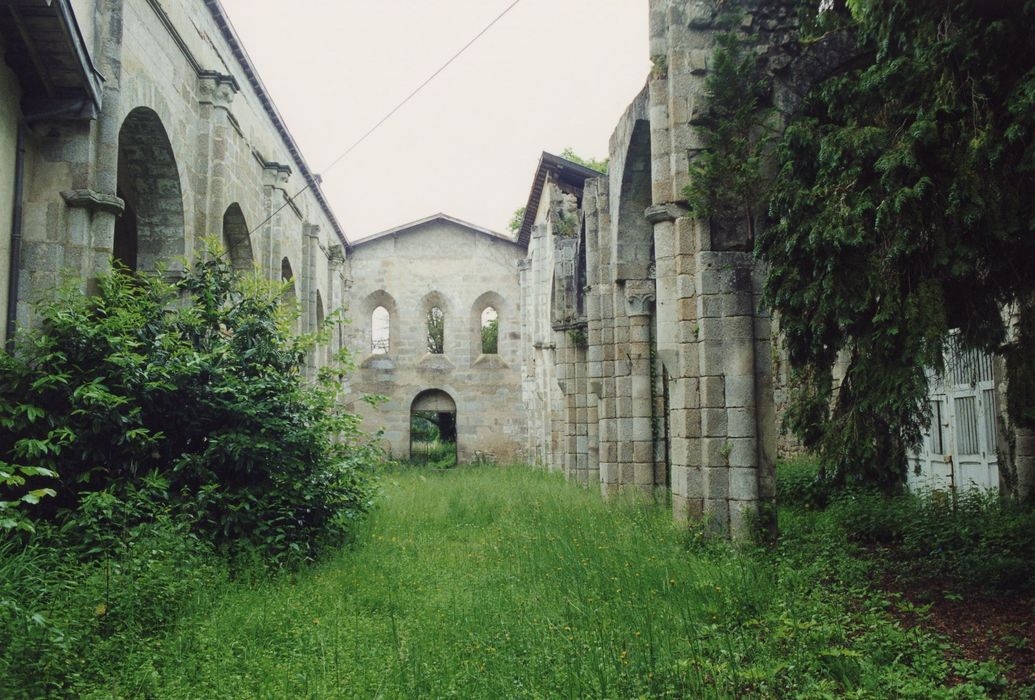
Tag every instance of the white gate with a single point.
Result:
(959, 448)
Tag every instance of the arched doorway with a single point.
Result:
(433, 439)
(151, 232)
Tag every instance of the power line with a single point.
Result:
(317, 178)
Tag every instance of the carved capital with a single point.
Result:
(94, 201)
(336, 254)
(639, 297)
(275, 174)
(217, 89)
(660, 213)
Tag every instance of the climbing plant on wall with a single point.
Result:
(904, 208)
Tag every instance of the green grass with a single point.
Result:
(505, 582)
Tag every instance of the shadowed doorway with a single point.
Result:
(433, 439)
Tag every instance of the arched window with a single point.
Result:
(490, 331)
(436, 327)
(380, 331)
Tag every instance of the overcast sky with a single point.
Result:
(551, 74)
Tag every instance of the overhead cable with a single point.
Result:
(318, 178)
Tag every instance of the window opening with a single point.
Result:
(490, 331)
(436, 327)
(380, 331)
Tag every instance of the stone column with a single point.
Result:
(639, 299)
(92, 225)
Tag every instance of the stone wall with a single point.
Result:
(185, 144)
(674, 390)
(461, 269)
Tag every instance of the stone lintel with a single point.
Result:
(639, 295)
(660, 213)
(94, 201)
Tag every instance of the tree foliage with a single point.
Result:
(491, 336)
(435, 326)
(599, 165)
(904, 208)
(726, 181)
(197, 385)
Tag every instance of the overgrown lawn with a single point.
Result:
(507, 582)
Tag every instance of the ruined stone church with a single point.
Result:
(629, 346)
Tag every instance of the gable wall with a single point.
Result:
(461, 271)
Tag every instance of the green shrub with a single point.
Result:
(199, 383)
(973, 538)
(799, 483)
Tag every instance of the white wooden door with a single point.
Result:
(959, 447)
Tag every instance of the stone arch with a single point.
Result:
(323, 350)
(485, 301)
(380, 299)
(151, 232)
(434, 406)
(634, 243)
(289, 297)
(236, 240)
(431, 302)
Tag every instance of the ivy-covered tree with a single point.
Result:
(904, 208)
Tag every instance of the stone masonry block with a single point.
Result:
(709, 306)
(717, 516)
(738, 303)
(643, 474)
(711, 329)
(716, 482)
(742, 519)
(678, 452)
(713, 392)
(626, 473)
(741, 422)
(713, 422)
(740, 391)
(714, 451)
(743, 484)
(738, 358)
(743, 452)
(712, 357)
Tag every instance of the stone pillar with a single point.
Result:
(639, 299)
(275, 178)
(216, 93)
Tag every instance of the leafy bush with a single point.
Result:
(198, 384)
(974, 538)
(800, 483)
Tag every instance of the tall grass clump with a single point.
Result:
(506, 582)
